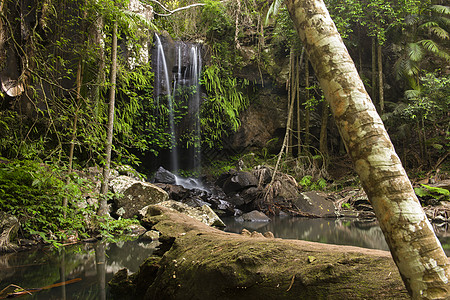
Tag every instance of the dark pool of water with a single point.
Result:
(330, 231)
(95, 264)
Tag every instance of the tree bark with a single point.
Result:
(323, 145)
(307, 111)
(380, 78)
(374, 69)
(103, 207)
(422, 263)
(297, 84)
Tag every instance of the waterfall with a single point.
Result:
(182, 63)
(196, 61)
(161, 64)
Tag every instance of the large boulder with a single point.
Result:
(176, 192)
(164, 176)
(239, 181)
(136, 195)
(315, 204)
(253, 216)
(203, 214)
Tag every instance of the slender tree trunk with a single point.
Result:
(307, 111)
(291, 97)
(380, 78)
(74, 129)
(297, 84)
(75, 120)
(323, 146)
(374, 69)
(103, 208)
(236, 32)
(422, 263)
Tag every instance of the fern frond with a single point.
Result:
(440, 9)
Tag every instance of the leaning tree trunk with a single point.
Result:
(415, 249)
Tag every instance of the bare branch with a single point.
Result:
(170, 12)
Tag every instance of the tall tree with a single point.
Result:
(415, 249)
(103, 208)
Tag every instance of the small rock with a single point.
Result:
(269, 235)
(120, 212)
(256, 234)
(245, 232)
(151, 235)
(135, 229)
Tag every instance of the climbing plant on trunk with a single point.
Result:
(415, 249)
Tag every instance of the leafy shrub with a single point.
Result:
(34, 193)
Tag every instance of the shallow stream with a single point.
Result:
(95, 264)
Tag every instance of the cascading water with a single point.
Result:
(182, 63)
(196, 61)
(162, 68)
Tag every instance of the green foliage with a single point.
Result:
(34, 193)
(220, 112)
(308, 183)
(67, 39)
(217, 21)
(111, 228)
(432, 192)
(346, 205)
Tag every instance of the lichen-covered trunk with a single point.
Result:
(415, 249)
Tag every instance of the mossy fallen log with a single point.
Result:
(202, 262)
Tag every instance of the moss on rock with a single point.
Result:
(206, 263)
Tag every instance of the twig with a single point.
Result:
(292, 283)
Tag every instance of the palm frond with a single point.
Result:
(435, 29)
(430, 46)
(411, 20)
(412, 94)
(135, 18)
(444, 22)
(440, 33)
(415, 52)
(440, 9)
(273, 9)
(429, 24)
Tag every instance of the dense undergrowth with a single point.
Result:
(35, 192)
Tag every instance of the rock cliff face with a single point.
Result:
(263, 123)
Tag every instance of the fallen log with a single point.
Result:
(202, 262)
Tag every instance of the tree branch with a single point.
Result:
(170, 12)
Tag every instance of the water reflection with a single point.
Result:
(95, 264)
(331, 231)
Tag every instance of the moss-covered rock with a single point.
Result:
(206, 263)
